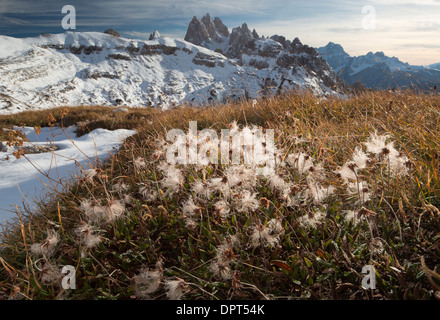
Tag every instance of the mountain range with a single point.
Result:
(289, 59)
(210, 64)
(435, 66)
(378, 71)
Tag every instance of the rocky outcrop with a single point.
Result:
(255, 34)
(248, 48)
(155, 49)
(281, 40)
(84, 49)
(118, 56)
(112, 32)
(155, 35)
(205, 31)
(220, 27)
(259, 64)
(241, 41)
(203, 59)
(269, 49)
(96, 74)
(197, 32)
(210, 28)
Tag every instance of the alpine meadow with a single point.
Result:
(219, 165)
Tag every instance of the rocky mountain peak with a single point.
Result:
(280, 39)
(334, 48)
(210, 27)
(241, 41)
(296, 41)
(255, 34)
(206, 30)
(155, 35)
(276, 54)
(196, 32)
(220, 27)
(378, 71)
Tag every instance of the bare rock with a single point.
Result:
(112, 32)
(279, 39)
(206, 30)
(255, 34)
(3, 147)
(197, 32)
(220, 27)
(210, 27)
(155, 35)
(241, 41)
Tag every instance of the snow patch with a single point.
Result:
(22, 181)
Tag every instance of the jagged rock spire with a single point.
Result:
(206, 30)
(220, 27)
(255, 34)
(241, 38)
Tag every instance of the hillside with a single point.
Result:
(92, 68)
(355, 184)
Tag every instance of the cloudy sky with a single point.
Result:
(407, 29)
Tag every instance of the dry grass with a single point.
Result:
(149, 237)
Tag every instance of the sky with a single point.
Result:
(407, 29)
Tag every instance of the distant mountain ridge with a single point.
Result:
(435, 66)
(214, 64)
(378, 71)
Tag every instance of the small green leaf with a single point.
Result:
(308, 262)
(325, 263)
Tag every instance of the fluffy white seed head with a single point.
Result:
(46, 247)
(175, 288)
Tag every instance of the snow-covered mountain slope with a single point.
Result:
(335, 55)
(291, 59)
(97, 68)
(376, 70)
(93, 68)
(435, 66)
(26, 180)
